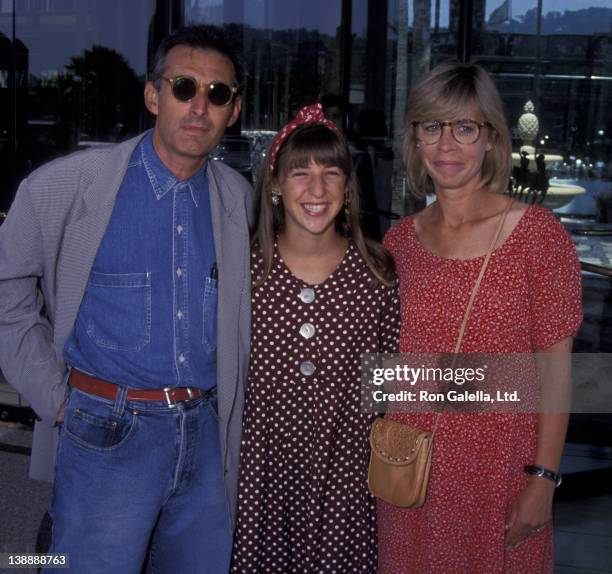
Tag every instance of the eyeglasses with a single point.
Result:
(465, 132)
(184, 88)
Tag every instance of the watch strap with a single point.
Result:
(536, 470)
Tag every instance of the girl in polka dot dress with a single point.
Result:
(486, 511)
(322, 296)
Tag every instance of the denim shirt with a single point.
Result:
(148, 318)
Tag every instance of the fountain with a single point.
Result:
(535, 186)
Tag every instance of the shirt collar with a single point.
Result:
(161, 178)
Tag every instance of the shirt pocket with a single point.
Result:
(118, 310)
(209, 315)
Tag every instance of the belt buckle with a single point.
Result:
(169, 400)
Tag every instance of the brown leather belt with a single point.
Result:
(170, 395)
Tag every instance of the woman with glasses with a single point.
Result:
(494, 473)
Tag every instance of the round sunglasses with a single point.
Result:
(184, 88)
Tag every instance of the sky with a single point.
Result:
(52, 38)
(521, 6)
(518, 8)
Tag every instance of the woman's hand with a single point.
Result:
(531, 511)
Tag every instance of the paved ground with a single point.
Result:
(583, 527)
(22, 500)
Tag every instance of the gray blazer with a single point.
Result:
(47, 247)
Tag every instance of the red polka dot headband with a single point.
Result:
(308, 115)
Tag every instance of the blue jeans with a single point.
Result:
(140, 483)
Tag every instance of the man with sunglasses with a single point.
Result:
(124, 320)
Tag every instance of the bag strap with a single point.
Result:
(470, 304)
(485, 264)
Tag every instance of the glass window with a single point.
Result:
(291, 52)
(289, 48)
(416, 36)
(552, 63)
(6, 112)
(79, 72)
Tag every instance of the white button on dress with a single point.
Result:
(307, 368)
(307, 330)
(307, 295)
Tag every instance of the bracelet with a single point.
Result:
(536, 470)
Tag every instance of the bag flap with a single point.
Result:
(396, 443)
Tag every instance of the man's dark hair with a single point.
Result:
(201, 37)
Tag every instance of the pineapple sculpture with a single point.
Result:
(528, 127)
(533, 184)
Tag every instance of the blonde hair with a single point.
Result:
(445, 93)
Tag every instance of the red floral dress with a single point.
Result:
(529, 299)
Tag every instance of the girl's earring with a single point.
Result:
(276, 198)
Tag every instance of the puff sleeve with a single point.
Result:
(554, 279)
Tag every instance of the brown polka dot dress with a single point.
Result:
(529, 299)
(303, 502)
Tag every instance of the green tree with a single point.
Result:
(105, 93)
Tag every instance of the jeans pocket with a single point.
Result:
(90, 423)
(117, 308)
(209, 315)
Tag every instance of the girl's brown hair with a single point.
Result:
(315, 142)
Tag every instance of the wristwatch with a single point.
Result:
(536, 470)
